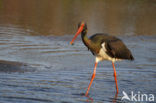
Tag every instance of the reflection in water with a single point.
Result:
(89, 99)
(47, 69)
(115, 98)
(58, 17)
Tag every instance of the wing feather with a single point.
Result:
(117, 49)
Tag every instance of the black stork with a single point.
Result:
(103, 47)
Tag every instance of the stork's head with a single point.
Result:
(82, 27)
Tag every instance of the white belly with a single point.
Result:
(102, 55)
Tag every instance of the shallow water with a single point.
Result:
(46, 69)
(39, 66)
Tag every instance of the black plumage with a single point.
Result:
(103, 47)
(114, 46)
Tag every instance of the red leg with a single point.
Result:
(93, 76)
(115, 77)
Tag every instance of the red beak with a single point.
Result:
(78, 32)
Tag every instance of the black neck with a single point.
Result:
(85, 38)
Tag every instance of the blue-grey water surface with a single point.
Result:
(46, 69)
(38, 65)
